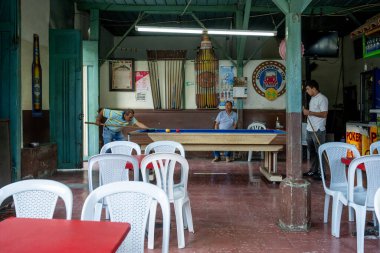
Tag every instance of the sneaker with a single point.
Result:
(309, 173)
(228, 160)
(317, 177)
(216, 159)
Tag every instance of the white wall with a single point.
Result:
(34, 19)
(254, 100)
(327, 75)
(121, 99)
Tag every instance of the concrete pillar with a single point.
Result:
(295, 191)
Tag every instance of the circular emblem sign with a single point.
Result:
(268, 79)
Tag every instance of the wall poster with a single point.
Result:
(142, 85)
(121, 75)
(226, 74)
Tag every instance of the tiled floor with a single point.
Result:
(232, 213)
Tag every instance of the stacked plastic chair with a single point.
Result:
(337, 189)
(364, 200)
(130, 202)
(165, 165)
(111, 169)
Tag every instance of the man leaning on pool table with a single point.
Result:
(225, 120)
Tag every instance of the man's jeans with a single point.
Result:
(109, 135)
(226, 154)
(312, 145)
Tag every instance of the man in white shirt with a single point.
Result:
(316, 122)
(225, 120)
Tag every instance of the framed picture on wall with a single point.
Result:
(121, 75)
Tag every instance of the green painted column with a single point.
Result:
(10, 83)
(293, 95)
(91, 60)
(295, 205)
(240, 46)
(94, 24)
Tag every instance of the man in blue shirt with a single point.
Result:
(225, 120)
(116, 120)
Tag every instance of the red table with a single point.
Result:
(347, 161)
(58, 235)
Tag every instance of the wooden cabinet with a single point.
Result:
(40, 161)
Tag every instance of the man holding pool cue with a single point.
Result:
(116, 120)
(316, 126)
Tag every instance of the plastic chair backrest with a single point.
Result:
(121, 147)
(164, 165)
(130, 202)
(377, 204)
(165, 147)
(37, 198)
(334, 152)
(111, 168)
(375, 146)
(256, 126)
(372, 168)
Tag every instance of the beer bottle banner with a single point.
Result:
(36, 79)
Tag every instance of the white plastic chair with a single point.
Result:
(376, 203)
(363, 201)
(164, 165)
(338, 181)
(37, 198)
(375, 146)
(112, 168)
(165, 147)
(121, 147)
(130, 202)
(255, 126)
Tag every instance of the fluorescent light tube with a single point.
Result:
(200, 31)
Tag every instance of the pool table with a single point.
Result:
(270, 141)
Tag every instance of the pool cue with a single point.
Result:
(156, 87)
(170, 73)
(153, 83)
(201, 64)
(204, 91)
(172, 98)
(157, 74)
(316, 137)
(176, 84)
(312, 127)
(179, 84)
(172, 69)
(111, 125)
(170, 84)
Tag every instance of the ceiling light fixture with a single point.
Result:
(200, 31)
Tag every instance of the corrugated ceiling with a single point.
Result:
(327, 15)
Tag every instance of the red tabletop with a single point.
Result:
(58, 235)
(347, 161)
(139, 159)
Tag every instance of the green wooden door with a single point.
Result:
(10, 87)
(90, 61)
(65, 90)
